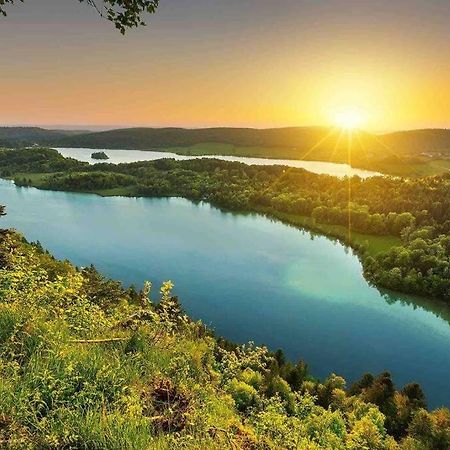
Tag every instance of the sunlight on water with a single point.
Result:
(127, 156)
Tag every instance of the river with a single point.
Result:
(248, 277)
(128, 156)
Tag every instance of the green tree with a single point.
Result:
(124, 14)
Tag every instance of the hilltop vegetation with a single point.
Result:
(412, 217)
(85, 363)
(23, 136)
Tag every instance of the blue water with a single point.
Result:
(249, 278)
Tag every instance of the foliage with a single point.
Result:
(99, 155)
(124, 14)
(420, 266)
(85, 363)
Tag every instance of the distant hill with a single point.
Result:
(290, 143)
(146, 138)
(15, 136)
(300, 138)
(419, 141)
(313, 143)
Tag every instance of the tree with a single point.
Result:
(124, 14)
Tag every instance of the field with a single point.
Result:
(416, 167)
(248, 151)
(374, 244)
(427, 167)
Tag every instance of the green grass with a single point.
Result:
(247, 151)
(425, 168)
(422, 167)
(124, 191)
(375, 244)
(36, 178)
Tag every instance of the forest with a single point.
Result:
(86, 363)
(415, 211)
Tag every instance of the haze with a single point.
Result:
(258, 63)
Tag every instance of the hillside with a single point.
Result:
(293, 142)
(299, 140)
(17, 136)
(85, 363)
(419, 141)
(290, 143)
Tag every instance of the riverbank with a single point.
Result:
(417, 166)
(363, 245)
(119, 156)
(316, 202)
(372, 244)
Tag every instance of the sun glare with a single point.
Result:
(349, 118)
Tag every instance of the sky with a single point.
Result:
(257, 63)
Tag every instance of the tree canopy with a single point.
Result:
(124, 14)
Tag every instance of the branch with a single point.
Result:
(97, 341)
(124, 14)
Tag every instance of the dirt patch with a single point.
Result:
(167, 405)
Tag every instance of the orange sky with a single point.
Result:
(210, 63)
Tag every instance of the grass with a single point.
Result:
(425, 168)
(373, 243)
(58, 393)
(124, 191)
(422, 167)
(248, 151)
(35, 178)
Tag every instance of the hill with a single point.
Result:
(87, 364)
(299, 139)
(17, 136)
(408, 153)
(432, 141)
(291, 143)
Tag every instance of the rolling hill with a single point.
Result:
(400, 152)
(17, 136)
(295, 141)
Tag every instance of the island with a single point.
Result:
(99, 155)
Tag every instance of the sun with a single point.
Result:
(349, 118)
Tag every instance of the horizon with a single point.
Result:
(205, 64)
(101, 128)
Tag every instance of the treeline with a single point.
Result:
(420, 266)
(35, 160)
(85, 363)
(89, 181)
(377, 206)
